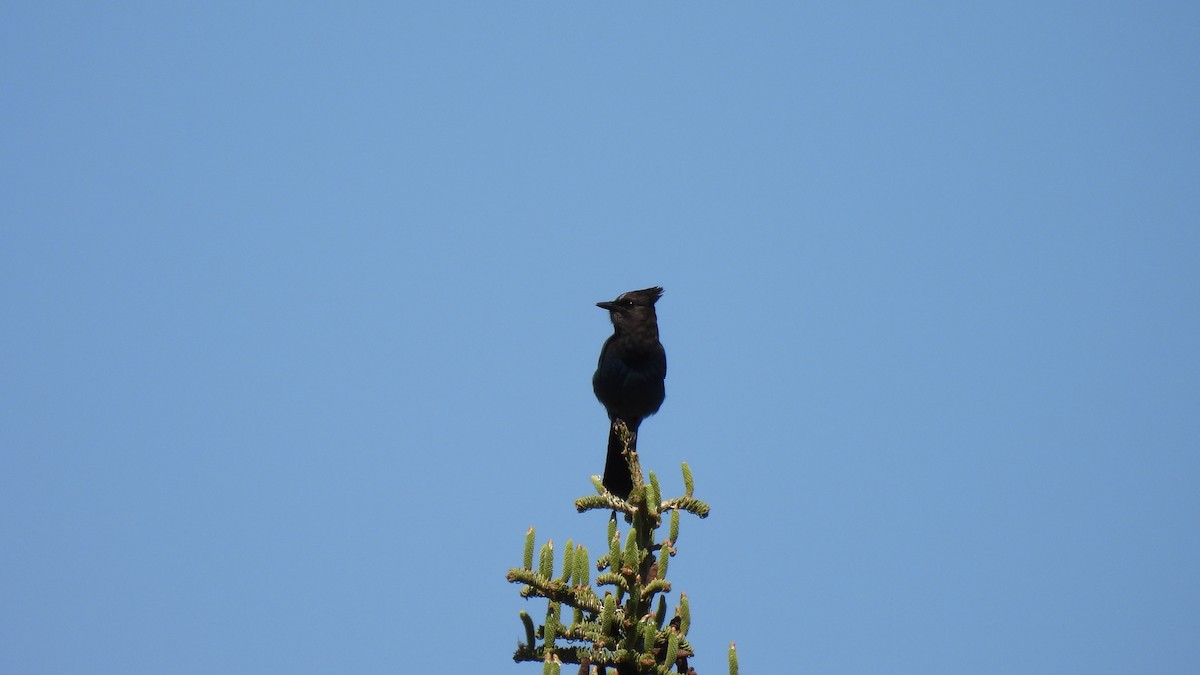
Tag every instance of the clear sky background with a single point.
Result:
(298, 327)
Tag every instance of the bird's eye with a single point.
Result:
(628, 303)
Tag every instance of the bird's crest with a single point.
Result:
(646, 296)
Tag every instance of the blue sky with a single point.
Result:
(299, 327)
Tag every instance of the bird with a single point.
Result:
(630, 378)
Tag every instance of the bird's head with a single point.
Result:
(633, 308)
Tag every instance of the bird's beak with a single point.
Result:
(606, 305)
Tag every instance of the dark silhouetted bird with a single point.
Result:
(629, 379)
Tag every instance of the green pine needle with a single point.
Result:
(529, 542)
(546, 560)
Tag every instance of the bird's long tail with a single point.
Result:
(617, 476)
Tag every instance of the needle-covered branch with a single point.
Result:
(618, 620)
